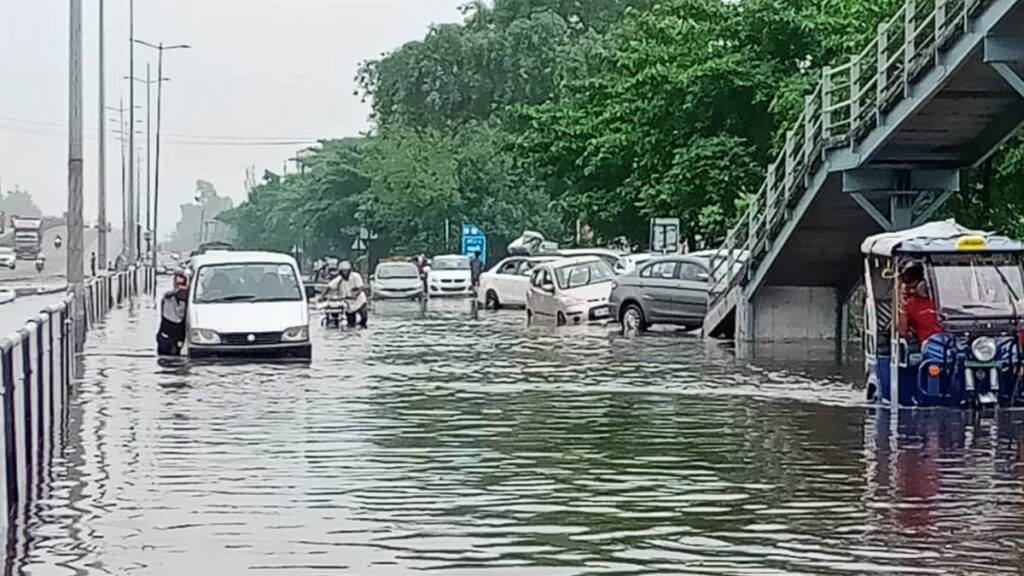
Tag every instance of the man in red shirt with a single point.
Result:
(917, 315)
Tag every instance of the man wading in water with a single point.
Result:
(173, 308)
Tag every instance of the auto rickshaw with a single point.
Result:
(975, 284)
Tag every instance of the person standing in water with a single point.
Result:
(173, 308)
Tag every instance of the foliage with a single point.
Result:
(19, 203)
(208, 206)
(423, 178)
(545, 114)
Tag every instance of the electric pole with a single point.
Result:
(101, 230)
(131, 248)
(75, 257)
(160, 48)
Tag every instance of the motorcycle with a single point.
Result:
(40, 263)
(334, 310)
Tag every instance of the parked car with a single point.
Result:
(666, 290)
(8, 258)
(449, 276)
(247, 303)
(611, 257)
(506, 284)
(630, 262)
(396, 280)
(7, 295)
(570, 290)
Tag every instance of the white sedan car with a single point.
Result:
(506, 284)
(450, 276)
(570, 291)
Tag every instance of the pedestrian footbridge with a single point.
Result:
(881, 145)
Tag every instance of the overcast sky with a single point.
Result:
(271, 69)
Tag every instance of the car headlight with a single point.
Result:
(203, 336)
(296, 334)
(984, 349)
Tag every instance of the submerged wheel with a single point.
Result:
(562, 320)
(633, 319)
(529, 316)
(491, 301)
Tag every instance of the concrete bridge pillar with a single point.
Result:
(781, 313)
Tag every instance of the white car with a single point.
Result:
(396, 280)
(631, 262)
(249, 304)
(506, 284)
(8, 258)
(450, 276)
(7, 295)
(611, 257)
(570, 291)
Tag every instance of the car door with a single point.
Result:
(690, 298)
(503, 280)
(519, 282)
(536, 297)
(657, 283)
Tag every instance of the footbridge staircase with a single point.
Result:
(880, 145)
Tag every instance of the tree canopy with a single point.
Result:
(546, 114)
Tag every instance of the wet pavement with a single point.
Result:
(446, 445)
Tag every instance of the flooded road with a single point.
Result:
(446, 445)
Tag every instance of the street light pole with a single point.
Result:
(101, 230)
(131, 134)
(75, 257)
(149, 139)
(160, 48)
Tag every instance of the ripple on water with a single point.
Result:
(468, 447)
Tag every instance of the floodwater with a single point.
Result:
(448, 445)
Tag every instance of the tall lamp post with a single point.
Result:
(160, 48)
(148, 81)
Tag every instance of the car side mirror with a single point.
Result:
(703, 277)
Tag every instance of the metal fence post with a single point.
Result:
(10, 475)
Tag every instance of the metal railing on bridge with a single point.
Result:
(846, 104)
(36, 371)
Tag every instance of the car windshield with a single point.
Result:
(226, 283)
(583, 274)
(979, 290)
(389, 271)
(451, 263)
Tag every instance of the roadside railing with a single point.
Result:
(847, 103)
(36, 371)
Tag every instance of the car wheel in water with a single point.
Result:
(562, 321)
(633, 321)
(492, 301)
(529, 316)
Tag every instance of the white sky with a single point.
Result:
(259, 68)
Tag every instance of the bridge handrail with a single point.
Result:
(846, 103)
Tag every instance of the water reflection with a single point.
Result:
(432, 441)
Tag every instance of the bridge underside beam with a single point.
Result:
(1002, 53)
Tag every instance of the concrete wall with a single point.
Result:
(780, 313)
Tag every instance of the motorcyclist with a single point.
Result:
(348, 286)
(173, 308)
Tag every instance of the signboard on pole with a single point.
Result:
(665, 235)
(474, 240)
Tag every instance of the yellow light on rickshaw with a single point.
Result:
(971, 244)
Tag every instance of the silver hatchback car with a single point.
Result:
(670, 290)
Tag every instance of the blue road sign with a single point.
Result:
(474, 240)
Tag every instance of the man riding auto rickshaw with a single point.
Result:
(943, 317)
